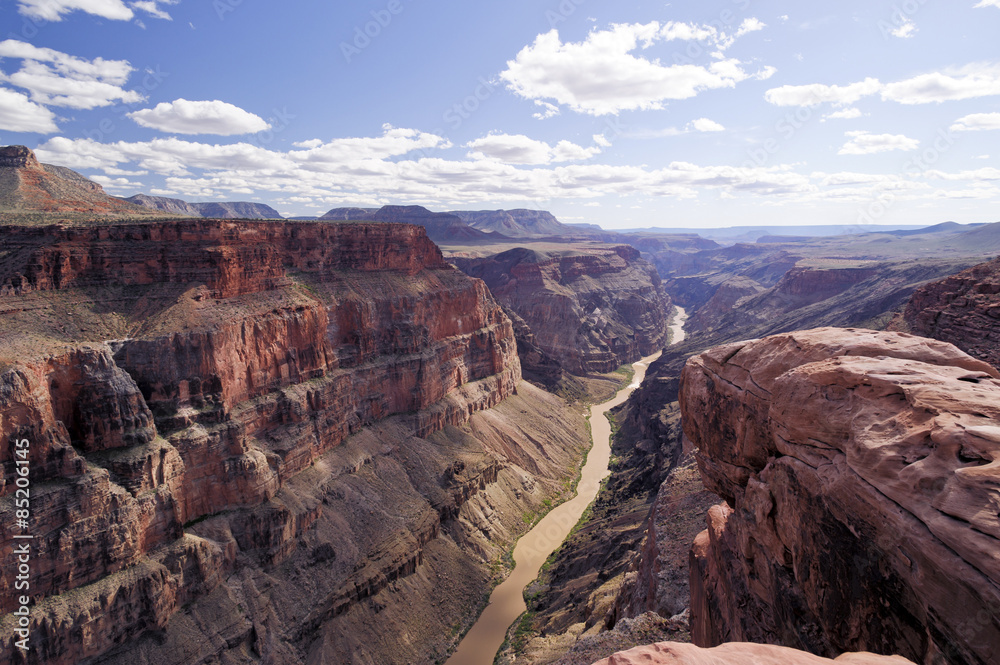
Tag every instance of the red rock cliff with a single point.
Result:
(963, 309)
(592, 310)
(860, 473)
(168, 373)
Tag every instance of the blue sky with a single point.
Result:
(627, 114)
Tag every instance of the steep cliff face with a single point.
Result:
(963, 309)
(222, 412)
(592, 310)
(859, 471)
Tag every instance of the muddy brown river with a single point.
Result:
(482, 642)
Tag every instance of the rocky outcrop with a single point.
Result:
(859, 473)
(28, 187)
(963, 309)
(672, 653)
(592, 310)
(215, 411)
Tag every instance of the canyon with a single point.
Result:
(249, 440)
(313, 442)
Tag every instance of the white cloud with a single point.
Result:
(817, 93)
(844, 114)
(548, 110)
(968, 82)
(20, 114)
(987, 174)
(706, 125)
(209, 117)
(56, 79)
(750, 25)
(311, 143)
(865, 143)
(988, 3)
(905, 30)
(601, 75)
(977, 121)
(520, 149)
(152, 8)
(53, 10)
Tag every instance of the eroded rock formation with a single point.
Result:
(963, 309)
(248, 439)
(672, 653)
(592, 310)
(859, 471)
(28, 186)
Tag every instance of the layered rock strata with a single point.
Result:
(672, 653)
(242, 434)
(592, 310)
(963, 309)
(859, 471)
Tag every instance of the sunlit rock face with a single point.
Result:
(860, 473)
(241, 432)
(672, 653)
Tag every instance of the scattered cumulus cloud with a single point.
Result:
(54, 78)
(817, 93)
(968, 82)
(988, 3)
(866, 143)
(204, 117)
(520, 149)
(843, 114)
(53, 10)
(152, 7)
(977, 121)
(548, 110)
(906, 29)
(706, 125)
(20, 114)
(604, 74)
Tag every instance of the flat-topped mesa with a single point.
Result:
(860, 473)
(170, 373)
(230, 258)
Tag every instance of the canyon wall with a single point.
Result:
(963, 309)
(859, 471)
(247, 439)
(592, 310)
